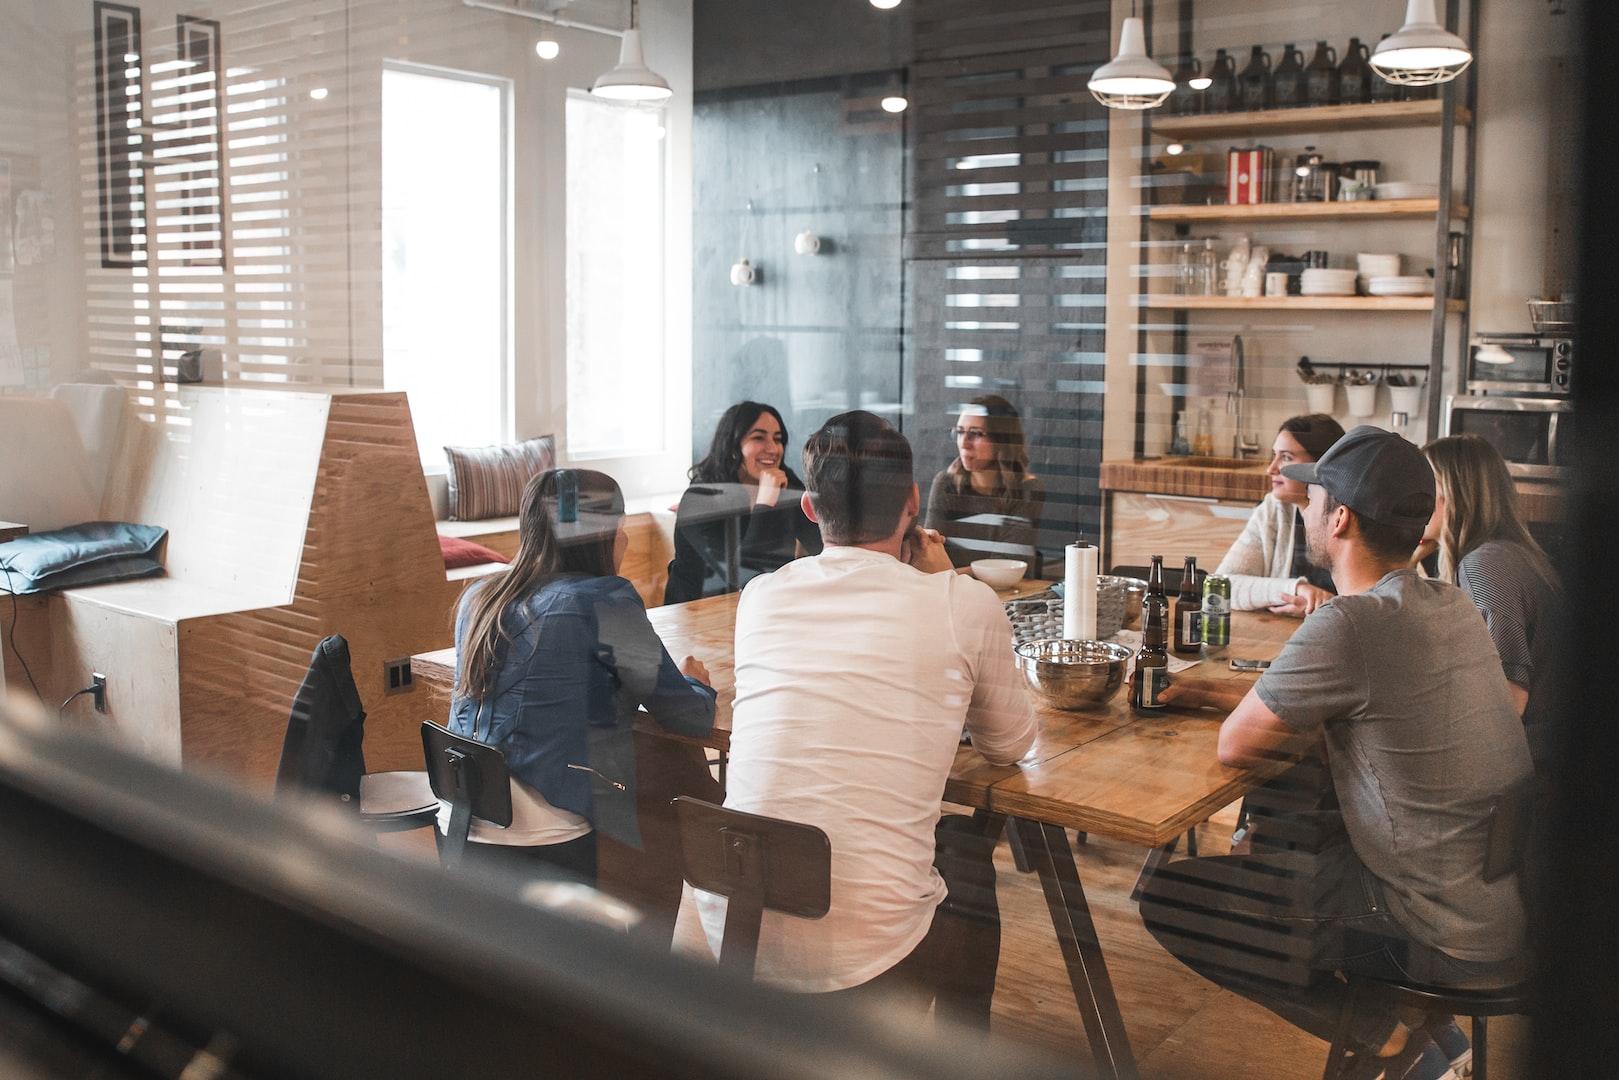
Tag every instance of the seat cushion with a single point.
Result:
(459, 553)
(488, 481)
(89, 554)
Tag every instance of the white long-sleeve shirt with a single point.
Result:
(1260, 562)
(854, 676)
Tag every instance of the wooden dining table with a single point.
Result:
(1106, 770)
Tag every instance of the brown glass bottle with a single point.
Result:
(1382, 89)
(1355, 74)
(1287, 81)
(1189, 612)
(1254, 84)
(1152, 662)
(1321, 76)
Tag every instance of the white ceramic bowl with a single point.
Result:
(999, 573)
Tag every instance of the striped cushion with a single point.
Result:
(488, 481)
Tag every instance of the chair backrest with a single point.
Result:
(322, 750)
(758, 863)
(1508, 837)
(463, 771)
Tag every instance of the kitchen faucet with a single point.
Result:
(1236, 402)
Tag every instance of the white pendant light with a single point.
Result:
(632, 80)
(1132, 79)
(1422, 52)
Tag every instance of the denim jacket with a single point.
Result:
(581, 656)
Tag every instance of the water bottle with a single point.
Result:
(1208, 269)
(1186, 271)
(567, 496)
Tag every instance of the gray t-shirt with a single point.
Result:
(1520, 607)
(1405, 686)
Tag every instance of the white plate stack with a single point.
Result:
(1406, 189)
(1394, 285)
(1371, 266)
(1319, 281)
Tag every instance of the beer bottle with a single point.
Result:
(1189, 612)
(1152, 662)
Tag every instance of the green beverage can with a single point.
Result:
(1216, 610)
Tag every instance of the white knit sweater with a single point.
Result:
(1259, 561)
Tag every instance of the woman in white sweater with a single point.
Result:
(1267, 565)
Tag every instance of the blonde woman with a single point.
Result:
(1485, 548)
(986, 502)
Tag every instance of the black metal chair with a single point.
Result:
(322, 750)
(471, 776)
(757, 863)
(1506, 841)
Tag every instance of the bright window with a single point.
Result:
(444, 255)
(615, 278)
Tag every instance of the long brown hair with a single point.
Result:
(1315, 432)
(546, 548)
(1481, 504)
(1005, 429)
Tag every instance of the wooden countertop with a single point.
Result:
(1205, 477)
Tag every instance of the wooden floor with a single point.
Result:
(1181, 1027)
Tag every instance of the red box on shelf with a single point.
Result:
(1248, 175)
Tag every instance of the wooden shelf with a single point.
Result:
(1394, 114)
(1166, 301)
(1305, 211)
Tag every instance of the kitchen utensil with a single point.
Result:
(1355, 74)
(1073, 674)
(1314, 178)
(1287, 80)
(999, 573)
(1551, 316)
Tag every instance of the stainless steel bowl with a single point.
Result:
(1073, 674)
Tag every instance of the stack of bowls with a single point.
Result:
(1394, 285)
(1374, 266)
(1319, 281)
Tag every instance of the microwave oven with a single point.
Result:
(1519, 364)
(1524, 429)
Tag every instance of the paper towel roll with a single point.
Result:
(1079, 591)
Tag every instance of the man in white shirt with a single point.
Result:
(856, 671)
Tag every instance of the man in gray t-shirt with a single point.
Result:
(1397, 684)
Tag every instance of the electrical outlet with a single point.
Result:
(396, 675)
(98, 691)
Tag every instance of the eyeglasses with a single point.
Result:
(970, 434)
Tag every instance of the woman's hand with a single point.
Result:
(924, 549)
(694, 667)
(1426, 547)
(1303, 600)
(772, 482)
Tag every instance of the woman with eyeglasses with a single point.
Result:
(1485, 548)
(741, 515)
(986, 502)
(1268, 566)
(553, 657)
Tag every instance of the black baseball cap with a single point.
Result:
(1375, 473)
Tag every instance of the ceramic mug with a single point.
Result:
(1276, 283)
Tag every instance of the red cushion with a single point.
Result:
(459, 553)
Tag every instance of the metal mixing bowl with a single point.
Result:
(1069, 674)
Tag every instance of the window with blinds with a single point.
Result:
(1006, 253)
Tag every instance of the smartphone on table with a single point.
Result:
(1243, 663)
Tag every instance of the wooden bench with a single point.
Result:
(292, 514)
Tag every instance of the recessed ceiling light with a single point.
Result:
(547, 49)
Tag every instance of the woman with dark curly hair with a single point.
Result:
(986, 502)
(742, 505)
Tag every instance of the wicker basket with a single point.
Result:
(1040, 615)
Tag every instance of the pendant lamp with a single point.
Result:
(632, 80)
(1422, 52)
(1132, 79)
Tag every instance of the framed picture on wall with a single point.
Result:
(120, 135)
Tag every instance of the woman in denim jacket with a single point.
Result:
(553, 656)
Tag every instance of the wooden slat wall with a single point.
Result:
(1007, 235)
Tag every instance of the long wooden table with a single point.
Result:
(1108, 770)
